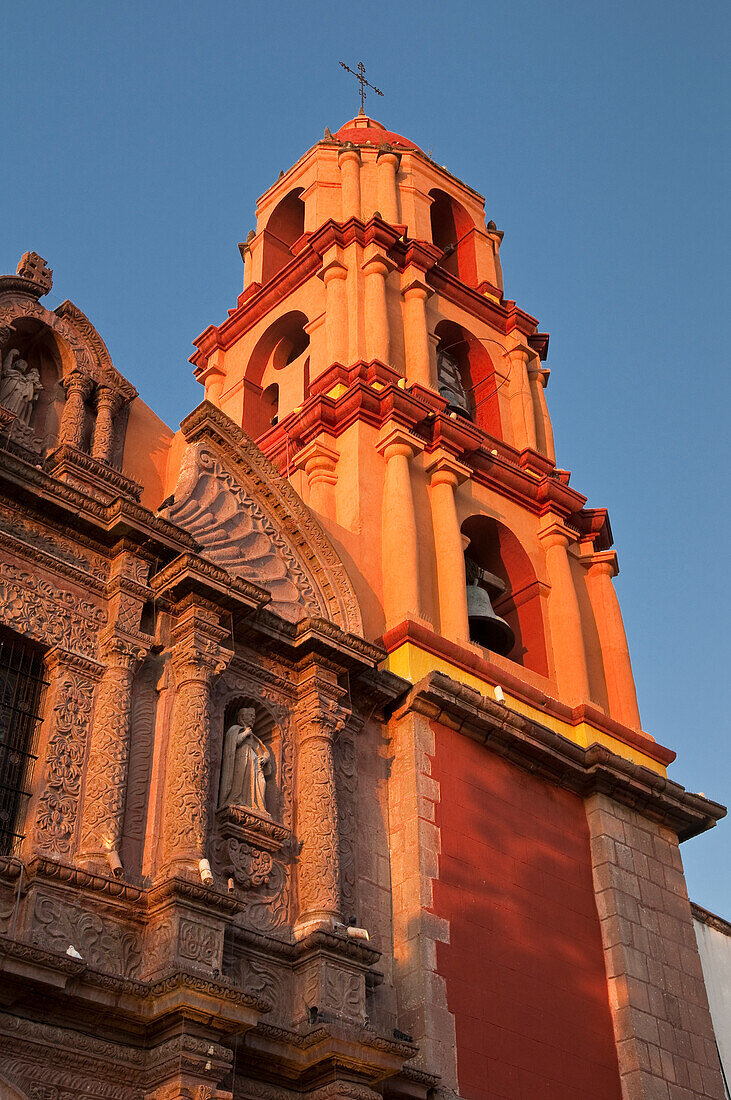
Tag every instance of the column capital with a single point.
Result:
(413, 284)
(444, 469)
(120, 650)
(554, 532)
(394, 439)
(375, 260)
(318, 461)
(603, 563)
(77, 383)
(349, 153)
(388, 154)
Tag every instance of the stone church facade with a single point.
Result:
(321, 768)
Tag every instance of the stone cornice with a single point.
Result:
(258, 299)
(704, 916)
(534, 747)
(374, 396)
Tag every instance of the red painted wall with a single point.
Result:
(524, 968)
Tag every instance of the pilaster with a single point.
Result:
(601, 569)
(567, 637)
(400, 545)
(199, 656)
(319, 718)
(445, 475)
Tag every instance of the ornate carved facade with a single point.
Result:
(251, 757)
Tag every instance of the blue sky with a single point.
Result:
(137, 137)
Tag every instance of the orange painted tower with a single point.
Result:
(375, 359)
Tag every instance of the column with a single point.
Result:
(198, 657)
(319, 462)
(334, 274)
(106, 774)
(567, 638)
(349, 162)
(387, 165)
(445, 475)
(72, 679)
(521, 402)
(612, 639)
(538, 380)
(319, 720)
(107, 404)
(73, 418)
(376, 268)
(399, 540)
(188, 779)
(416, 334)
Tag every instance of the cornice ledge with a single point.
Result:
(536, 748)
(704, 916)
(191, 572)
(189, 892)
(48, 869)
(312, 631)
(321, 940)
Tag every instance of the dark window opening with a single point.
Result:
(21, 691)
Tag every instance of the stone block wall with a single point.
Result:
(657, 995)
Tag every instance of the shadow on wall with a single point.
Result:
(524, 968)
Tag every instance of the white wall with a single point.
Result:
(715, 951)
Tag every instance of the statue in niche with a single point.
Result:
(451, 387)
(19, 386)
(246, 763)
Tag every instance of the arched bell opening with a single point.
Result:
(452, 230)
(276, 379)
(270, 402)
(466, 377)
(32, 347)
(505, 588)
(286, 225)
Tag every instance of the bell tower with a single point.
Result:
(376, 360)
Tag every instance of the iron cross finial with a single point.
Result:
(360, 77)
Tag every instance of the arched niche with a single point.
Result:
(286, 225)
(452, 231)
(270, 734)
(278, 368)
(495, 548)
(478, 375)
(45, 351)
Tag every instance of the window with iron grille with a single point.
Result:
(21, 691)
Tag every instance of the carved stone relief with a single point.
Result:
(346, 778)
(32, 606)
(103, 944)
(236, 533)
(58, 804)
(334, 990)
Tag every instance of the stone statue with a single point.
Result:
(19, 386)
(246, 762)
(451, 387)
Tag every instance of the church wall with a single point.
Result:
(146, 452)
(523, 967)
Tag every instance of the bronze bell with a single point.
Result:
(487, 628)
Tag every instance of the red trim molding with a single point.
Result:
(465, 659)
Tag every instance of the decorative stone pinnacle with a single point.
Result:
(34, 268)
